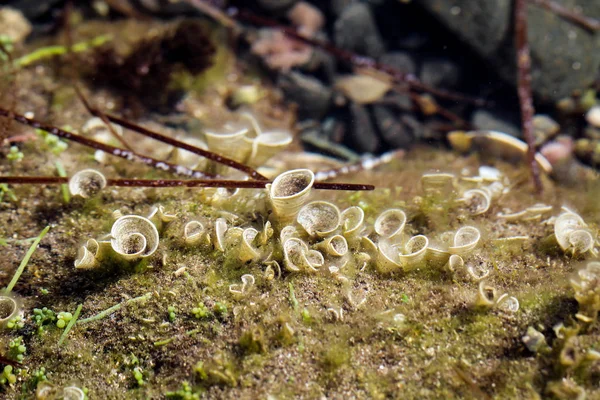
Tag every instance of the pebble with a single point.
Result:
(312, 97)
(439, 72)
(14, 24)
(355, 30)
(544, 128)
(485, 120)
(593, 116)
(400, 60)
(393, 132)
(362, 134)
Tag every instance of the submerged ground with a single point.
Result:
(418, 334)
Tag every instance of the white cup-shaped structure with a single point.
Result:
(581, 241)
(414, 251)
(455, 263)
(465, 240)
(9, 308)
(438, 183)
(390, 223)
(319, 218)
(478, 201)
(315, 260)
(87, 183)
(193, 232)
(295, 251)
(73, 393)
(564, 225)
(388, 259)
(486, 295)
(134, 237)
(352, 221)
(88, 255)
(232, 145)
(268, 144)
(335, 245)
(247, 250)
(290, 191)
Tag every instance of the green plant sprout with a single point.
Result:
(43, 316)
(17, 349)
(172, 313)
(201, 312)
(64, 187)
(14, 154)
(6, 191)
(185, 393)
(139, 376)
(25, 260)
(72, 322)
(55, 144)
(52, 51)
(62, 319)
(293, 300)
(7, 376)
(16, 322)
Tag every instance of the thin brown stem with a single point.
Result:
(196, 183)
(591, 24)
(362, 165)
(174, 142)
(524, 88)
(115, 151)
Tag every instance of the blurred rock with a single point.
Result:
(565, 57)
(439, 72)
(391, 130)
(33, 9)
(400, 60)
(544, 128)
(355, 30)
(312, 97)
(362, 134)
(593, 116)
(486, 120)
(14, 24)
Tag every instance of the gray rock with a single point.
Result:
(363, 136)
(439, 72)
(355, 30)
(400, 60)
(486, 120)
(277, 6)
(565, 57)
(33, 8)
(312, 97)
(393, 132)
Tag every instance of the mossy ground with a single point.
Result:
(270, 343)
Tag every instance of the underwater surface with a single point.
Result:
(299, 199)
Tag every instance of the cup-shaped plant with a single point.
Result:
(134, 237)
(268, 144)
(90, 254)
(247, 251)
(10, 307)
(194, 232)
(335, 245)
(352, 221)
(220, 230)
(319, 218)
(233, 145)
(478, 201)
(289, 192)
(295, 255)
(388, 259)
(465, 240)
(390, 224)
(87, 183)
(414, 251)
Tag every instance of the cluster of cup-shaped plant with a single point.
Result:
(573, 235)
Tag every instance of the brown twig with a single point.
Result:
(174, 142)
(524, 87)
(356, 60)
(591, 24)
(197, 183)
(362, 165)
(115, 151)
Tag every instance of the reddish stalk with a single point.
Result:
(197, 183)
(115, 151)
(588, 23)
(524, 88)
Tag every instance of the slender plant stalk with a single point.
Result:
(70, 325)
(25, 260)
(115, 151)
(589, 23)
(64, 187)
(114, 308)
(198, 183)
(524, 88)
